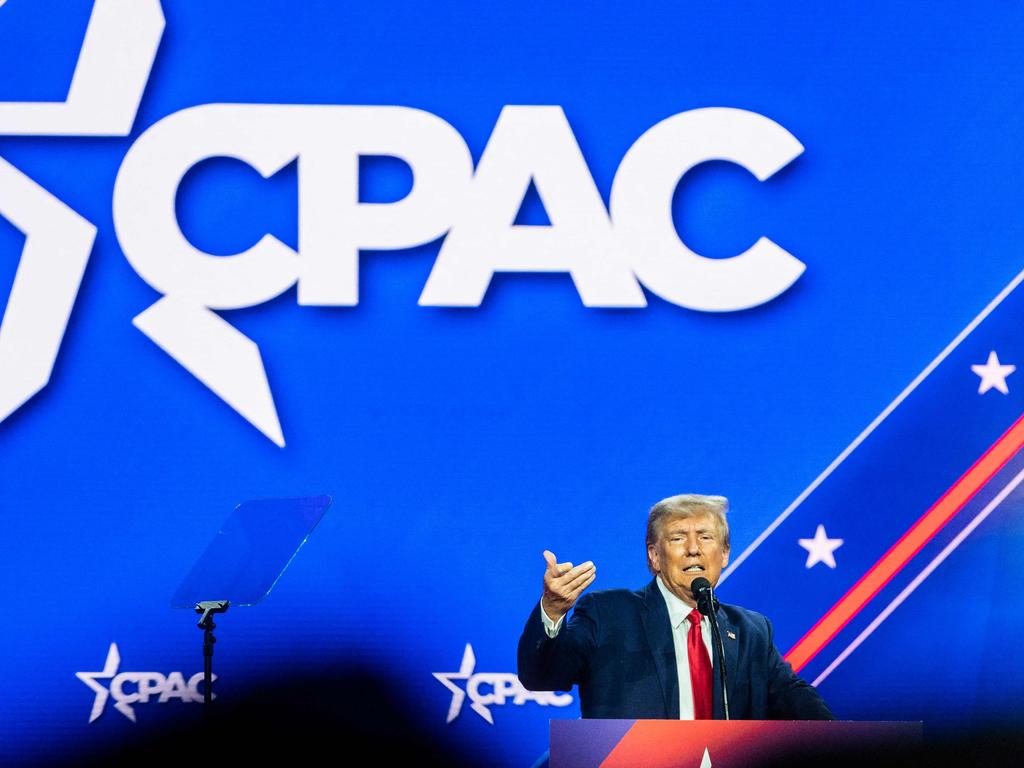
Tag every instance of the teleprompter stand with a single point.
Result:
(244, 561)
(208, 608)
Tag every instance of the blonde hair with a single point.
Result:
(683, 506)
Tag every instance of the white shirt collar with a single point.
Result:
(678, 610)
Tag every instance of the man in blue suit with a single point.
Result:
(648, 653)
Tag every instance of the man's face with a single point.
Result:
(688, 548)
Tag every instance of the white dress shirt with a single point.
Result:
(677, 617)
(678, 611)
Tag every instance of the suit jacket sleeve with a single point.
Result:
(557, 663)
(790, 697)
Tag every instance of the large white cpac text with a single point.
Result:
(607, 256)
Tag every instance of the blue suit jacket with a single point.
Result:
(617, 647)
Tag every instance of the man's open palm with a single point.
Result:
(563, 583)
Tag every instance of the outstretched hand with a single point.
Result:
(563, 584)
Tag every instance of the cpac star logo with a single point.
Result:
(113, 68)
(503, 685)
(147, 685)
(611, 252)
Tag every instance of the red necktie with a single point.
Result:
(700, 669)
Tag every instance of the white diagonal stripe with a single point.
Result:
(873, 425)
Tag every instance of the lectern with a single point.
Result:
(712, 743)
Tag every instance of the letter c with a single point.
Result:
(641, 209)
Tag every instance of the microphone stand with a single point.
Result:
(708, 605)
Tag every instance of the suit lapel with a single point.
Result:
(731, 660)
(659, 639)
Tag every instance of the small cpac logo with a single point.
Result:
(147, 685)
(503, 686)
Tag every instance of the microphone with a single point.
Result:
(703, 594)
(701, 590)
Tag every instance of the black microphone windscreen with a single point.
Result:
(701, 590)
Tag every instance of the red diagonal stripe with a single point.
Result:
(919, 534)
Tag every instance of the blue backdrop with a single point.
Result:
(458, 443)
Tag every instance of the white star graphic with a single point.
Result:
(90, 678)
(705, 762)
(820, 548)
(458, 694)
(993, 375)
